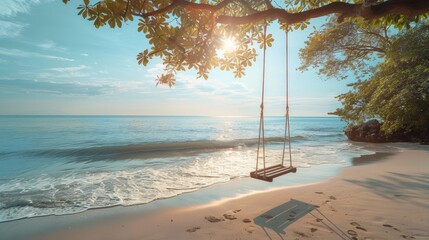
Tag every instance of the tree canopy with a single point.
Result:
(187, 34)
(398, 92)
(339, 50)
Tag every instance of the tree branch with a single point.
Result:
(364, 48)
(189, 5)
(385, 38)
(345, 10)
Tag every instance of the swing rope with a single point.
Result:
(261, 120)
(287, 123)
(267, 174)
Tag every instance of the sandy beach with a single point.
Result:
(384, 199)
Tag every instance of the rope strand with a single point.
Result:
(261, 119)
(263, 95)
(287, 95)
(287, 122)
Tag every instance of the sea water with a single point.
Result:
(68, 164)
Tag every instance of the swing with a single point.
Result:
(269, 173)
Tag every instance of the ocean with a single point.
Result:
(54, 165)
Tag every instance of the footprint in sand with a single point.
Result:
(250, 229)
(358, 226)
(361, 228)
(246, 220)
(352, 233)
(407, 237)
(301, 234)
(355, 224)
(332, 198)
(213, 219)
(236, 211)
(229, 216)
(193, 229)
(313, 230)
(318, 192)
(390, 226)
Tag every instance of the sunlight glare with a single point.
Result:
(229, 44)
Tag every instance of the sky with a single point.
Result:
(53, 62)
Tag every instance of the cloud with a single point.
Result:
(33, 86)
(10, 8)
(27, 54)
(47, 45)
(155, 71)
(236, 93)
(69, 69)
(188, 84)
(300, 101)
(314, 100)
(65, 72)
(10, 29)
(50, 45)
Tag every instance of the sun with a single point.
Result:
(229, 44)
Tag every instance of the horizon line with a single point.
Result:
(149, 115)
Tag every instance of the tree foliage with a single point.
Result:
(338, 50)
(187, 34)
(398, 92)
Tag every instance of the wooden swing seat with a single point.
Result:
(272, 172)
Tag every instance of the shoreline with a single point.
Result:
(27, 228)
(248, 186)
(190, 202)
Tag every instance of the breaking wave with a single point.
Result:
(154, 150)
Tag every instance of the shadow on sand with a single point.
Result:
(366, 159)
(383, 151)
(280, 217)
(399, 187)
